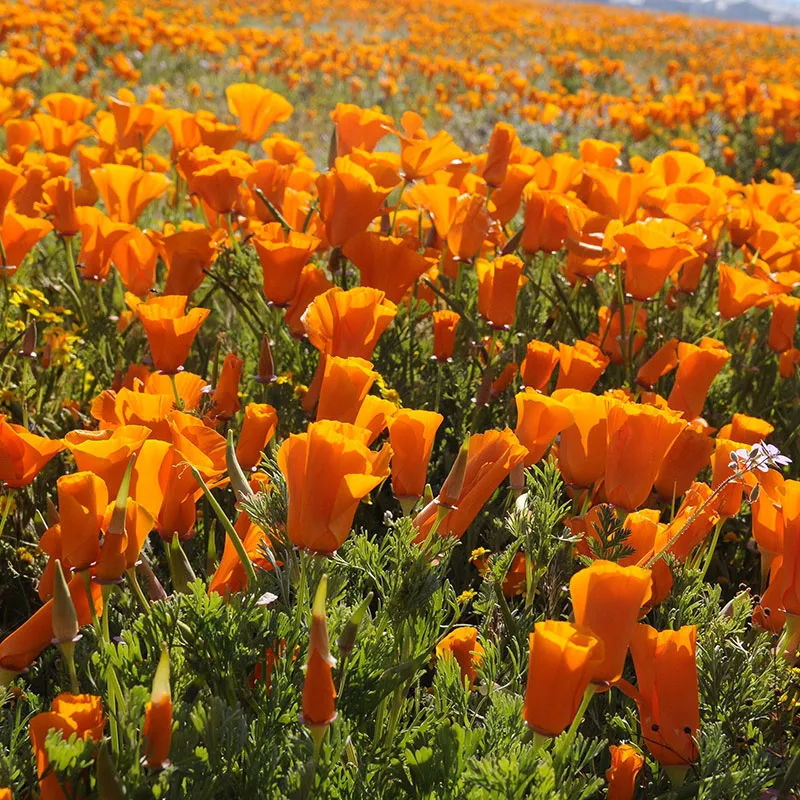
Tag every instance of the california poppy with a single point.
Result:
(170, 330)
(562, 661)
(583, 445)
(328, 471)
(423, 156)
(319, 693)
(538, 365)
(580, 365)
(499, 282)
(360, 128)
(539, 420)
(188, 253)
(411, 435)
(23, 455)
(157, 730)
(626, 763)
(689, 453)
(462, 644)
(444, 333)
(345, 383)
(126, 190)
(703, 523)
(614, 335)
(256, 108)
(258, 428)
(502, 143)
(82, 502)
(217, 184)
(607, 600)
(100, 237)
(135, 258)
(225, 397)
(374, 415)
(663, 361)
(738, 291)
(58, 196)
(784, 322)
(283, 256)
(698, 365)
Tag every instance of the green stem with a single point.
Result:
(711, 548)
(573, 728)
(178, 399)
(73, 271)
(133, 582)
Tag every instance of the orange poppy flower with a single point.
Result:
(738, 291)
(225, 398)
(469, 227)
(784, 322)
(583, 445)
(607, 600)
(499, 282)
(106, 453)
(562, 661)
(690, 453)
(667, 692)
(60, 137)
(68, 107)
(319, 692)
(387, 263)
(328, 471)
(23, 455)
(11, 181)
(744, 428)
(490, 458)
(20, 135)
(22, 647)
(256, 108)
(188, 253)
(768, 528)
(789, 566)
(313, 283)
(580, 365)
(135, 258)
(19, 235)
(652, 254)
(503, 142)
(421, 157)
(662, 362)
(345, 384)
(360, 128)
(80, 715)
(698, 365)
(694, 498)
(349, 199)
(218, 183)
(82, 502)
(170, 330)
(99, 238)
(120, 550)
(127, 191)
(539, 420)
(258, 428)
(462, 644)
(59, 202)
(538, 365)
(622, 775)
(135, 124)
(374, 415)
(157, 730)
(444, 333)
(411, 435)
(283, 256)
(614, 340)
(730, 498)
(639, 437)
(788, 363)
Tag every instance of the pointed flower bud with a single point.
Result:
(241, 488)
(266, 366)
(157, 733)
(347, 638)
(109, 786)
(180, 568)
(28, 348)
(319, 692)
(454, 482)
(65, 618)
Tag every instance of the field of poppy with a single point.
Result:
(398, 399)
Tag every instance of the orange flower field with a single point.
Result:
(398, 400)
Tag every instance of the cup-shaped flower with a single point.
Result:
(462, 644)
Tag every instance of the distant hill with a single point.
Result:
(774, 12)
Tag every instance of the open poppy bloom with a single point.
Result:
(170, 330)
(100, 237)
(689, 453)
(127, 191)
(19, 234)
(661, 363)
(738, 291)
(411, 435)
(538, 365)
(562, 662)
(135, 258)
(345, 383)
(698, 365)
(539, 420)
(58, 201)
(420, 157)
(328, 469)
(462, 644)
(256, 108)
(23, 455)
(283, 256)
(580, 365)
(374, 415)
(358, 128)
(607, 600)
(188, 253)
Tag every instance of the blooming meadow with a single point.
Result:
(398, 400)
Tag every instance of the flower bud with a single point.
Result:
(180, 568)
(347, 638)
(454, 482)
(241, 488)
(65, 618)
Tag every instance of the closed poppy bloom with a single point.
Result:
(225, 398)
(639, 437)
(491, 456)
(503, 142)
(387, 263)
(697, 495)
(218, 183)
(187, 254)
(348, 323)
(157, 730)
(690, 453)
(783, 325)
(20, 135)
(420, 157)
(614, 338)
(22, 647)
(788, 363)
(283, 256)
(319, 692)
(170, 330)
(667, 692)
(444, 333)
(462, 644)
(121, 549)
(328, 469)
(626, 763)
(583, 445)
(469, 228)
(738, 291)
(19, 234)
(126, 190)
(538, 365)
(652, 254)
(345, 384)
(360, 128)
(539, 420)
(135, 258)
(82, 502)
(256, 108)
(562, 661)
(698, 365)
(374, 415)
(499, 282)
(80, 715)
(313, 282)
(106, 453)
(662, 362)
(349, 199)
(23, 455)
(258, 428)
(789, 566)
(411, 435)
(580, 365)
(99, 239)
(58, 195)
(607, 600)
